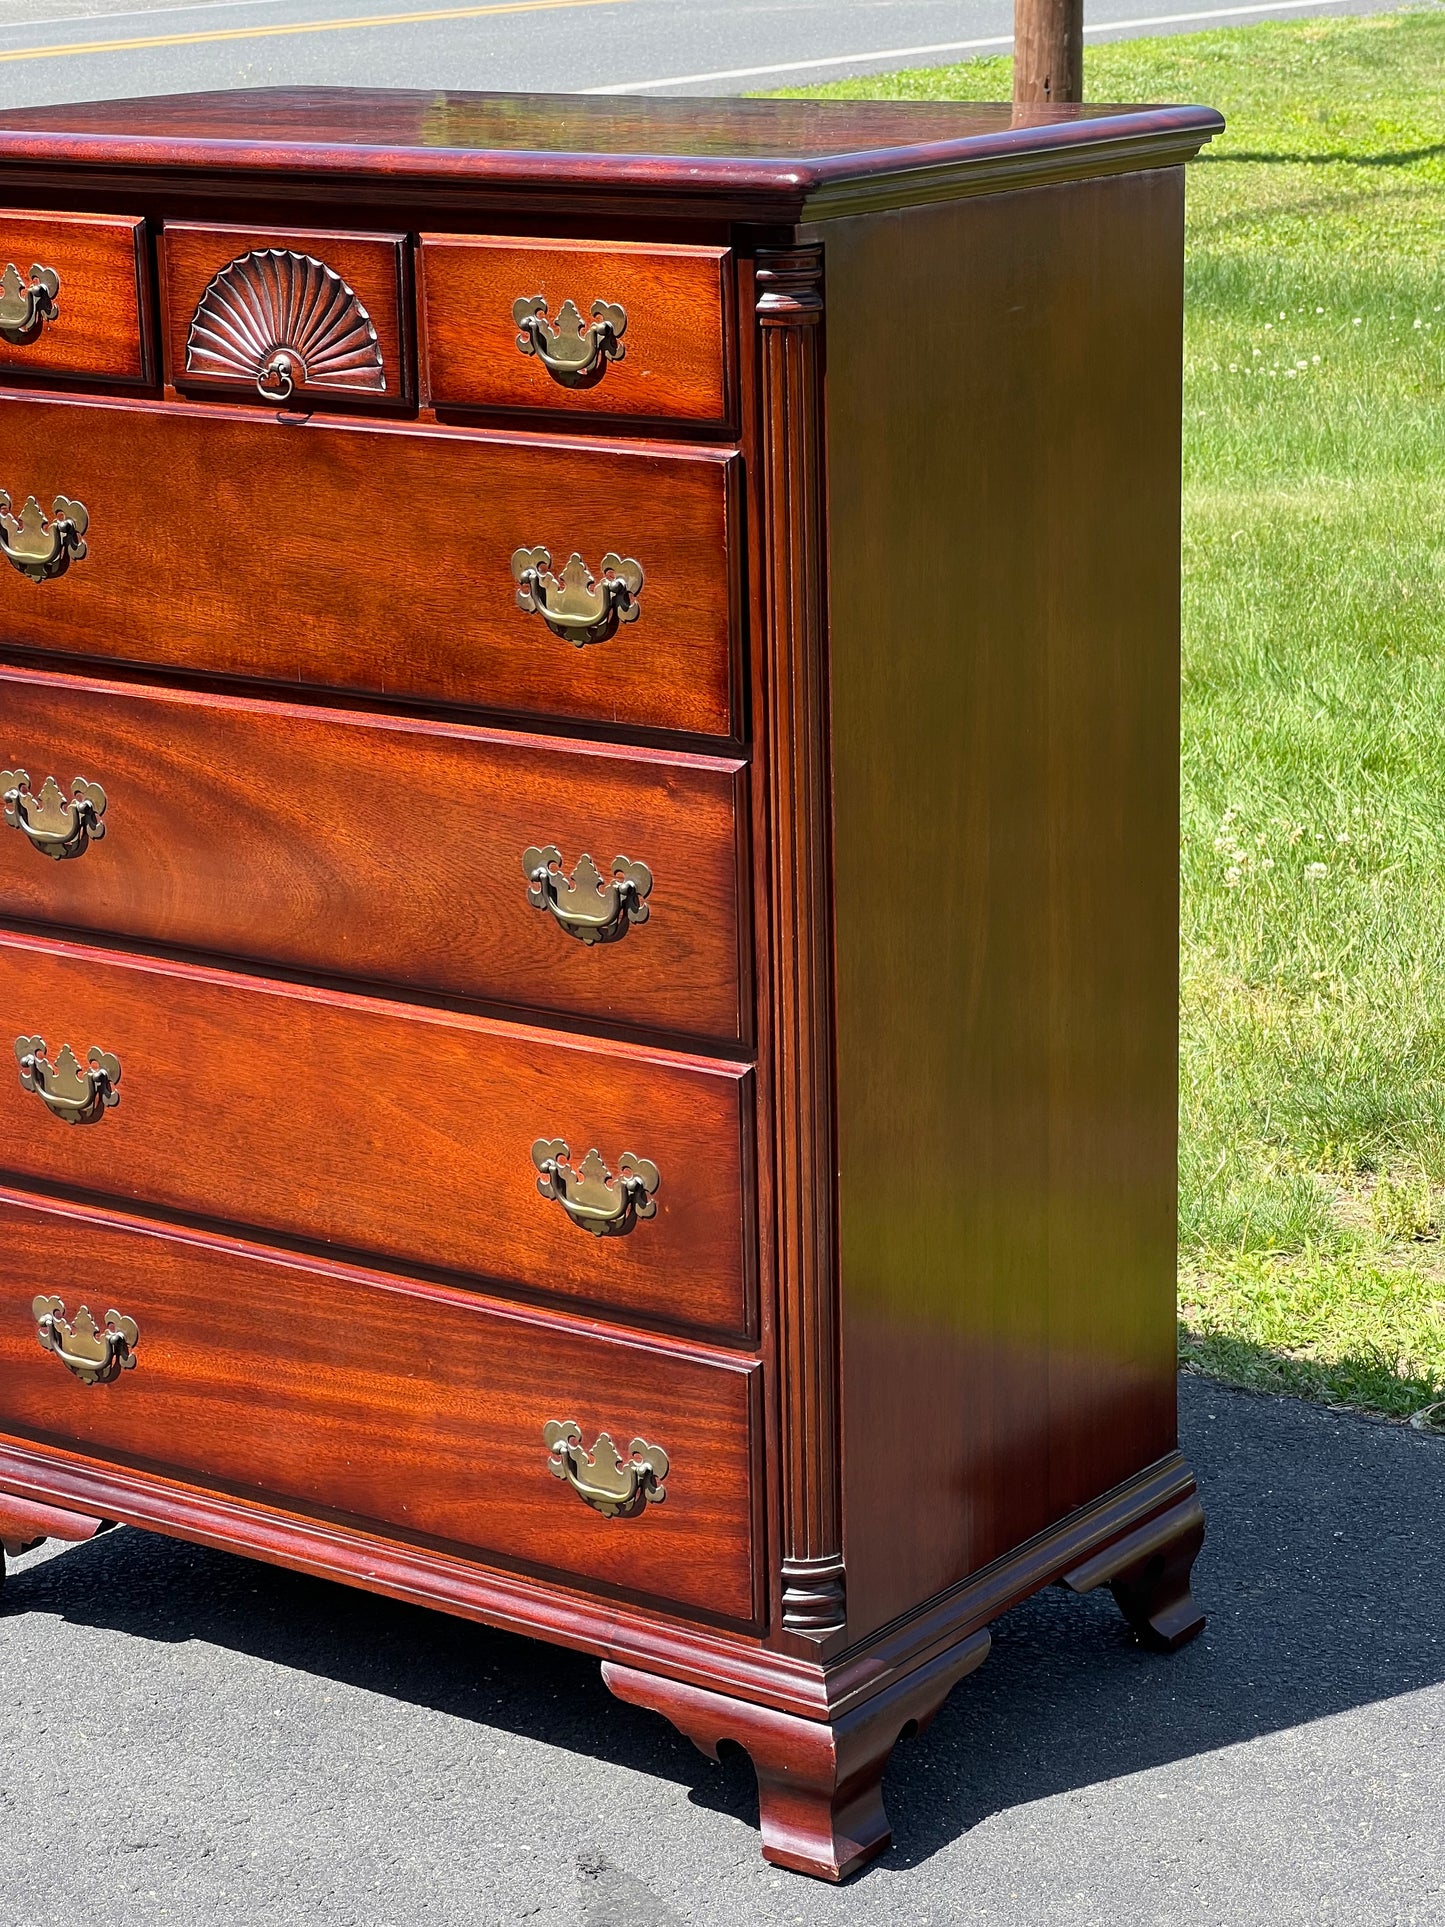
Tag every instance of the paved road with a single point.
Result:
(188, 1738)
(97, 49)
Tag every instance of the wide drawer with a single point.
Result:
(576, 327)
(368, 557)
(390, 1130)
(336, 1390)
(379, 848)
(75, 296)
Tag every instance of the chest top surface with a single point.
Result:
(764, 159)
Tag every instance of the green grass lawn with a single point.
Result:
(1313, 1016)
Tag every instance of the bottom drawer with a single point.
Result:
(342, 1391)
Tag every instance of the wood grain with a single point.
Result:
(371, 847)
(676, 299)
(366, 557)
(820, 1784)
(102, 327)
(385, 1129)
(1006, 736)
(643, 1635)
(399, 1406)
(373, 266)
(567, 158)
(24, 1524)
(790, 315)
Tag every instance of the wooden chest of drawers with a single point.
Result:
(587, 905)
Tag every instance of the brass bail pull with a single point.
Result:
(593, 1199)
(26, 304)
(73, 1095)
(574, 353)
(43, 547)
(575, 605)
(584, 905)
(618, 1488)
(95, 1353)
(55, 825)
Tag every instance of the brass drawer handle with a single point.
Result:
(602, 1479)
(39, 549)
(574, 353)
(589, 1194)
(573, 605)
(96, 1355)
(585, 906)
(26, 306)
(67, 1092)
(56, 827)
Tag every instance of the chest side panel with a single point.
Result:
(1004, 488)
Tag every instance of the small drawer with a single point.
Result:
(74, 300)
(377, 848)
(386, 559)
(321, 1387)
(283, 315)
(385, 1129)
(580, 329)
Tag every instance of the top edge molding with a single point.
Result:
(779, 161)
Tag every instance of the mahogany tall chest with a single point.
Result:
(587, 880)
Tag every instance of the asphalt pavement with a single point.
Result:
(190, 1738)
(53, 50)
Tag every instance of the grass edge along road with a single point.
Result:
(1313, 1014)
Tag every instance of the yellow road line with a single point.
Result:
(296, 26)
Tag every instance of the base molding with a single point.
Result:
(818, 1680)
(820, 1784)
(1148, 1573)
(24, 1524)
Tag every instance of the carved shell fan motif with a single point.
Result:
(284, 321)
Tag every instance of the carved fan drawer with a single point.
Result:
(405, 562)
(580, 328)
(276, 314)
(332, 1389)
(74, 296)
(520, 871)
(587, 1171)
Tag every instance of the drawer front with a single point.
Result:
(362, 557)
(77, 303)
(646, 333)
(377, 848)
(326, 1388)
(276, 313)
(385, 1129)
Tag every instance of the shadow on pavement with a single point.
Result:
(1323, 1577)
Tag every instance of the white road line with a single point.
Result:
(955, 46)
(133, 13)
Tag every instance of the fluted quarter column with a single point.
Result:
(790, 317)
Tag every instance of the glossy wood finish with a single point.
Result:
(379, 1128)
(24, 1524)
(350, 1393)
(1006, 1025)
(761, 1671)
(820, 1787)
(790, 313)
(567, 155)
(373, 266)
(102, 326)
(358, 556)
(372, 847)
(1148, 1572)
(921, 1190)
(675, 360)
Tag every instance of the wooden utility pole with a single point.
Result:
(1048, 51)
